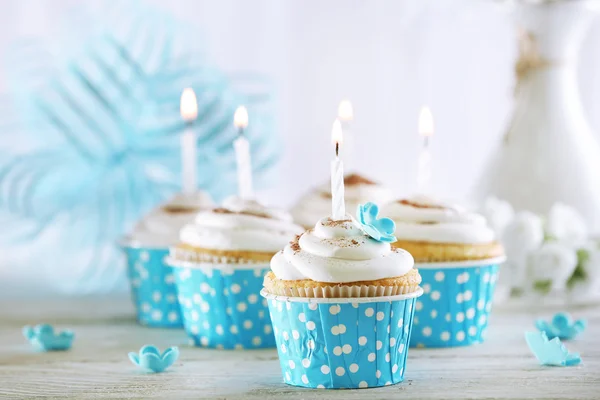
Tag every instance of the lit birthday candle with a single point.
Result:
(346, 116)
(242, 154)
(345, 111)
(338, 206)
(426, 128)
(189, 112)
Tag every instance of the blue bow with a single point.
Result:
(102, 131)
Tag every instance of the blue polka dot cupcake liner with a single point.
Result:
(455, 307)
(221, 304)
(342, 343)
(153, 288)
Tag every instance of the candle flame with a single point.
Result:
(336, 133)
(345, 111)
(426, 125)
(240, 118)
(188, 106)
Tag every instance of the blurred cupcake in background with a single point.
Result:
(220, 263)
(152, 282)
(358, 190)
(342, 305)
(458, 257)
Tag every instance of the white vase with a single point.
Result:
(549, 152)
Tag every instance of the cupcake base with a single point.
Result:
(407, 283)
(456, 304)
(342, 343)
(153, 289)
(426, 252)
(194, 254)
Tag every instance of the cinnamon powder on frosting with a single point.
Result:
(172, 209)
(222, 210)
(295, 245)
(355, 179)
(420, 205)
(331, 223)
(351, 180)
(341, 242)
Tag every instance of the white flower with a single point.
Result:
(554, 262)
(514, 274)
(524, 234)
(499, 214)
(566, 224)
(582, 292)
(591, 265)
(521, 236)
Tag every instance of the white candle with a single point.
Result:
(345, 111)
(189, 112)
(424, 173)
(346, 116)
(338, 206)
(242, 154)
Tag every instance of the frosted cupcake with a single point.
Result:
(458, 257)
(341, 303)
(358, 190)
(220, 262)
(152, 283)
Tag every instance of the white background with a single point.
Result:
(388, 57)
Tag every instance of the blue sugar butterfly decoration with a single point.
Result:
(91, 139)
(43, 337)
(550, 352)
(380, 229)
(562, 326)
(150, 358)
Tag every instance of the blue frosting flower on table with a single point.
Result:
(550, 352)
(562, 326)
(380, 229)
(44, 338)
(151, 359)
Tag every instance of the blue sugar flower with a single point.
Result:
(150, 358)
(381, 229)
(562, 326)
(550, 352)
(44, 338)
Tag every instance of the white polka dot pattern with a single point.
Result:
(153, 289)
(453, 311)
(222, 309)
(342, 345)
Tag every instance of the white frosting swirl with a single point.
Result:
(424, 219)
(162, 225)
(339, 252)
(317, 203)
(241, 225)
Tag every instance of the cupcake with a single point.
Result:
(358, 190)
(341, 303)
(152, 282)
(458, 257)
(220, 263)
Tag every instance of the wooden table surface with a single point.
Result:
(98, 367)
